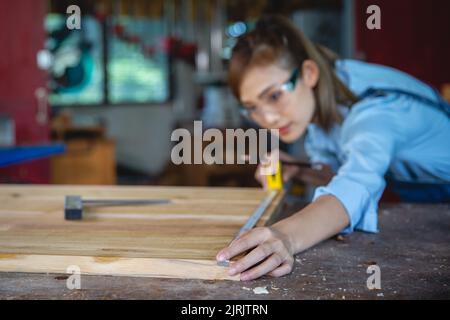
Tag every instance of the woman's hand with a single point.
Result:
(271, 252)
(273, 248)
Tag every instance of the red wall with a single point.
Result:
(22, 35)
(415, 37)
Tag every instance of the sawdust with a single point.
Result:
(260, 290)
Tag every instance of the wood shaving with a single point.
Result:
(260, 290)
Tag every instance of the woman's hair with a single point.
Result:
(276, 40)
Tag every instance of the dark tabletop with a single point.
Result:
(412, 252)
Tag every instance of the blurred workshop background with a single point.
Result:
(98, 105)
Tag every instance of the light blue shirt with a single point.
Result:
(393, 134)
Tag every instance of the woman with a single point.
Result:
(363, 122)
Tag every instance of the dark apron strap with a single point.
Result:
(441, 104)
(420, 192)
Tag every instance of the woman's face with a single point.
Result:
(273, 107)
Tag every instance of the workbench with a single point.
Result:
(412, 251)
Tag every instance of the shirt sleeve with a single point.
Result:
(359, 182)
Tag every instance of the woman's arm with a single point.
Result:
(273, 247)
(358, 185)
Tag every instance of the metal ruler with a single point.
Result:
(254, 218)
(257, 214)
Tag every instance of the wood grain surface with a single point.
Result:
(178, 240)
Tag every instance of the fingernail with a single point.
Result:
(221, 257)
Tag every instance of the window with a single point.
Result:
(77, 72)
(133, 70)
(137, 70)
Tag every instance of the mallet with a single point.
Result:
(73, 206)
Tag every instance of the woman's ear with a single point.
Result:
(310, 73)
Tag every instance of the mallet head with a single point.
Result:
(73, 208)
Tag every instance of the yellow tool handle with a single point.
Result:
(275, 181)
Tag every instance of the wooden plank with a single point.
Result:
(178, 240)
(333, 270)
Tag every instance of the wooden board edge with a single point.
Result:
(115, 266)
(270, 217)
